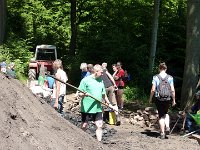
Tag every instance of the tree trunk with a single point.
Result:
(191, 69)
(2, 20)
(154, 35)
(73, 28)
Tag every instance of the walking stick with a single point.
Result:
(82, 92)
(185, 109)
(180, 115)
(191, 132)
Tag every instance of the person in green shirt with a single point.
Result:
(91, 110)
(42, 80)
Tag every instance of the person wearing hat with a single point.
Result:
(11, 71)
(195, 109)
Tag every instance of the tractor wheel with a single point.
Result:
(32, 74)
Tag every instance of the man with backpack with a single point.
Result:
(163, 89)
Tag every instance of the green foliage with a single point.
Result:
(121, 30)
(41, 22)
(131, 93)
(135, 94)
(17, 52)
(107, 31)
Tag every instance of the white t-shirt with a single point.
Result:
(64, 78)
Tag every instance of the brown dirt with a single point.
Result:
(135, 137)
(28, 122)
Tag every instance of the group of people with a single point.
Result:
(113, 82)
(8, 70)
(96, 81)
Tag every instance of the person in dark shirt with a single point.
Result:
(11, 71)
(195, 109)
(110, 86)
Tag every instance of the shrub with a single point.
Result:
(17, 52)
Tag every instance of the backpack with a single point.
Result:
(127, 76)
(164, 89)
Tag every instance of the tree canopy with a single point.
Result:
(105, 31)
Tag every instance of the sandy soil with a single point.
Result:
(29, 123)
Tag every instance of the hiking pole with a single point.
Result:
(191, 133)
(183, 111)
(81, 91)
(174, 125)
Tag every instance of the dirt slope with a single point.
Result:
(28, 123)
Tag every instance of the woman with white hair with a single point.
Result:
(84, 70)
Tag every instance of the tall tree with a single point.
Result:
(2, 20)
(73, 28)
(191, 69)
(154, 34)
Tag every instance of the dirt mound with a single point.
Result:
(30, 123)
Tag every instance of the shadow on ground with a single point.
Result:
(151, 133)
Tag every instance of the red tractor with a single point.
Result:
(44, 55)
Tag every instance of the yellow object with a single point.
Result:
(112, 117)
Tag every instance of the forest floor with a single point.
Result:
(135, 137)
(28, 122)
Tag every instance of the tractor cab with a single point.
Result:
(45, 55)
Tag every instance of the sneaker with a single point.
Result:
(167, 131)
(162, 136)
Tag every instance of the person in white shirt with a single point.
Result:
(59, 89)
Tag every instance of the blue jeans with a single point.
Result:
(189, 123)
(60, 103)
